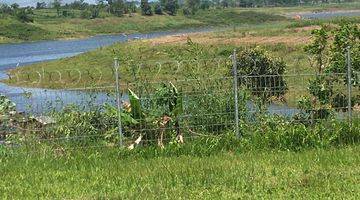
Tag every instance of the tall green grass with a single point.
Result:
(104, 174)
(47, 26)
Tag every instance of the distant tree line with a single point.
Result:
(160, 7)
(22, 14)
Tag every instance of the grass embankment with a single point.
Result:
(48, 26)
(281, 38)
(276, 38)
(309, 174)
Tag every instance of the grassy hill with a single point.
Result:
(48, 26)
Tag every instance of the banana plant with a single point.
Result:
(167, 107)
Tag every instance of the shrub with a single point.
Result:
(158, 9)
(261, 74)
(145, 8)
(23, 16)
(186, 11)
(329, 48)
(85, 14)
(170, 6)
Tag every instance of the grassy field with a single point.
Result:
(103, 174)
(48, 26)
(276, 158)
(279, 39)
(276, 38)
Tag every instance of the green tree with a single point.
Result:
(40, 5)
(225, 3)
(57, 5)
(116, 7)
(205, 4)
(327, 89)
(192, 5)
(318, 47)
(170, 6)
(23, 16)
(145, 8)
(15, 6)
(158, 9)
(261, 74)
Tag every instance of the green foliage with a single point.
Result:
(318, 46)
(86, 14)
(261, 74)
(136, 110)
(40, 5)
(279, 133)
(22, 16)
(205, 4)
(91, 13)
(78, 5)
(7, 111)
(192, 5)
(170, 6)
(22, 31)
(158, 9)
(145, 8)
(105, 174)
(57, 5)
(347, 35)
(155, 111)
(326, 87)
(322, 88)
(47, 20)
(234, 17)
(117, 7)
(6, 106)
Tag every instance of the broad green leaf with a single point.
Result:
(136, 110)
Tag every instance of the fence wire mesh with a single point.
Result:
(161, 102)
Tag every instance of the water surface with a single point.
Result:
(329, 14)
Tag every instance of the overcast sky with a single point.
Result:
(33, 2)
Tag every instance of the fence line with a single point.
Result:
(166, 109)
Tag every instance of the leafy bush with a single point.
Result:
(6, 106)
(158, 9)
(186, 11)
(170, 6)
(271, 133)
(261, 74)
(23, 31)
(23, 16)
(279, 133)
(329, 48)
(85, 14)
(7, 110)
(145, 8)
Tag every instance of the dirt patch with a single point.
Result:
(306, 28)
(208, 39)
(172, 39)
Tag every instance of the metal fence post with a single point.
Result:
(118, 100)
(234, 59)
(348, 74)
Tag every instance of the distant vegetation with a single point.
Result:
(171, 7)
(58, 20)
